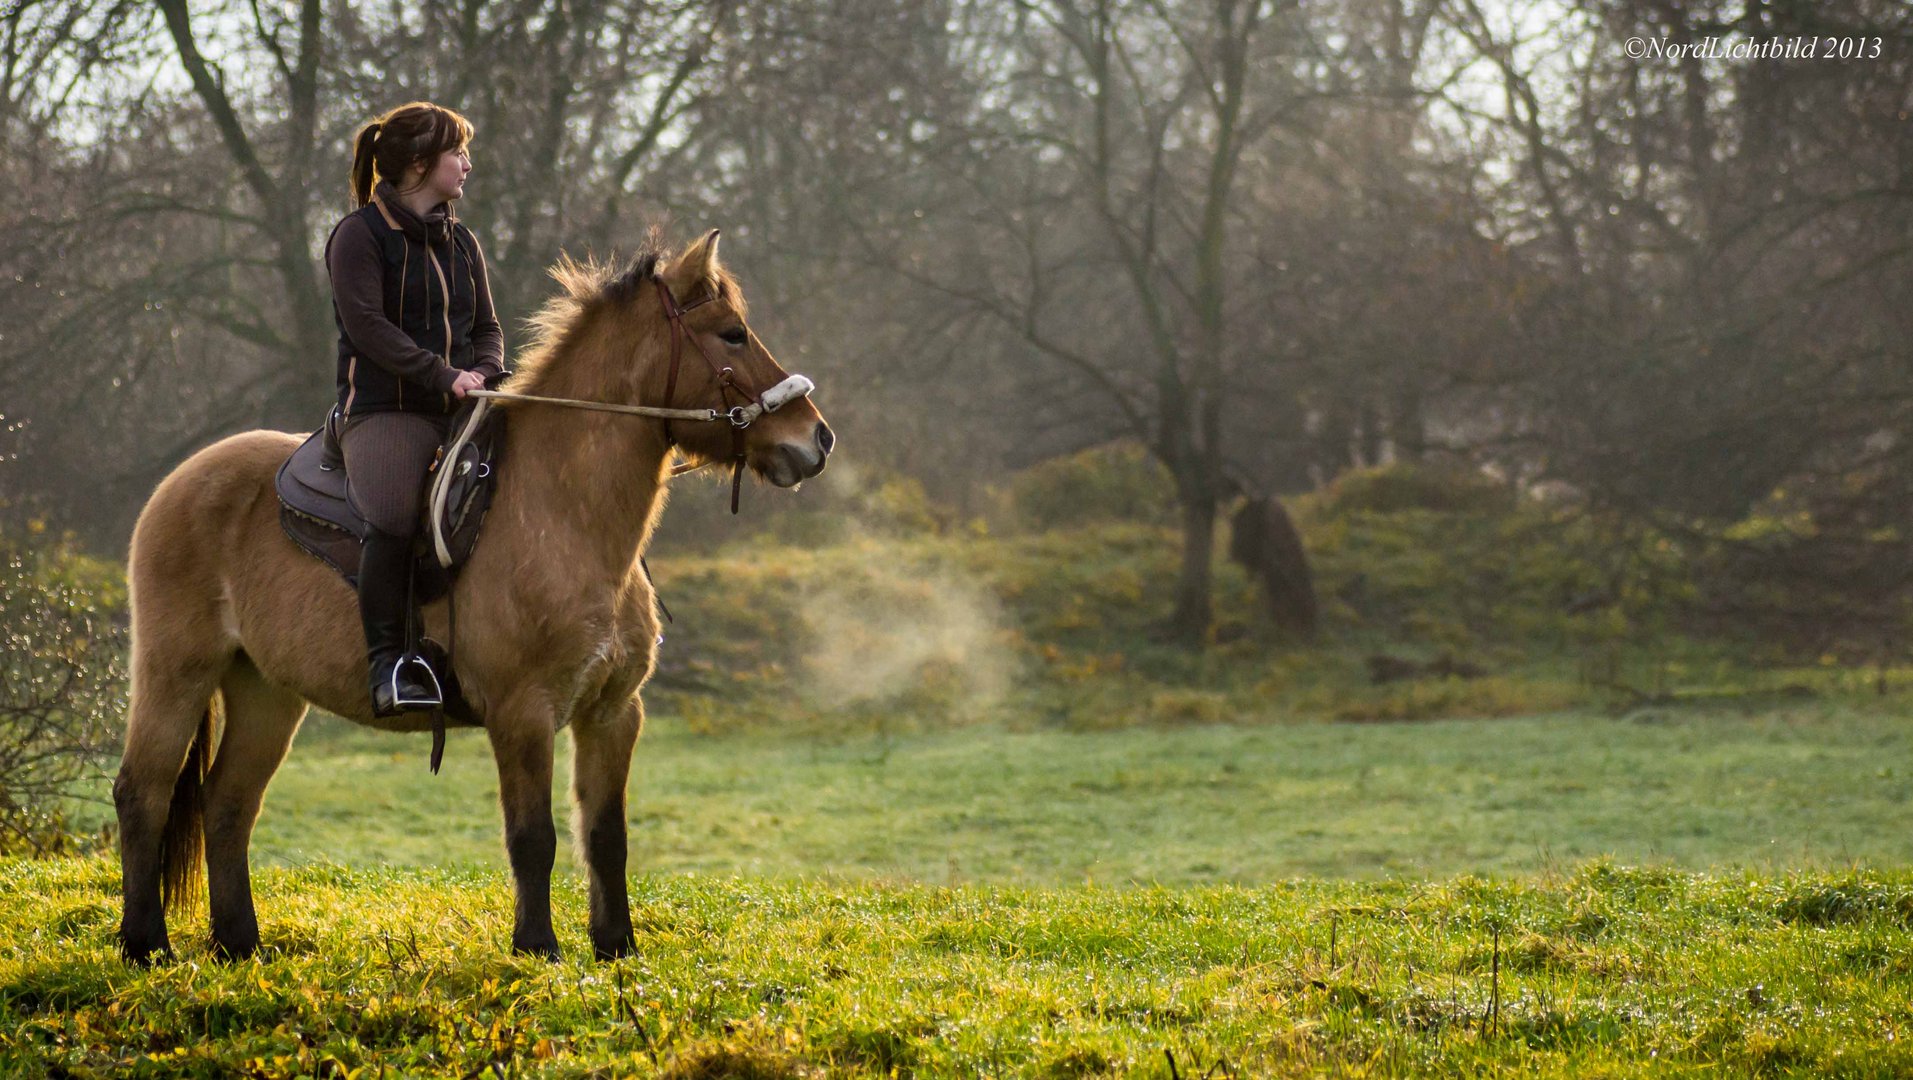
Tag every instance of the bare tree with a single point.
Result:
(1124, 129)
(165, 288)
(279, 180)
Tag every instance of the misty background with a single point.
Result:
(1262, 243)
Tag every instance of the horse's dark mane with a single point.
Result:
(643, 268)
(584, 287)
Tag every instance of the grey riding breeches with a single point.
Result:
(386, 458)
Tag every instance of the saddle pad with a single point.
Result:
(314, 510)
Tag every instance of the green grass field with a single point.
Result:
(385, 972)
(1811, 786)
(944, 804)
(1697, 892)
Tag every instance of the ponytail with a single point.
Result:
(388, 147)
(362, 155)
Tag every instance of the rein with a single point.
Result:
(603, 406)
(740, 416)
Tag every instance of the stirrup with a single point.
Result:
(437, 700)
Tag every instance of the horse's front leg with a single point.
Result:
(600, 764)
(521, 737)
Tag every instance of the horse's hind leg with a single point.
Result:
(261, 719)
(156, 793)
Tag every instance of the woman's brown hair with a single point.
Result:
(415, 132)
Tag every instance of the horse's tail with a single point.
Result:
(182, 850)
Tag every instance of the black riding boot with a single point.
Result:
(384, 562)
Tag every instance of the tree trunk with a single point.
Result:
(1369, 449)
(1334, 446)
(297, 395)
(1409, 432)
(1189, 623)
(300, 398)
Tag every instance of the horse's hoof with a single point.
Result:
(544, 950)
(144, 954)
(616, 948)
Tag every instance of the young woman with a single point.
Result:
(416, 332)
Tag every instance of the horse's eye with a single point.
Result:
(735, 336)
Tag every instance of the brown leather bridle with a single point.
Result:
(740, 416)
(726, 383)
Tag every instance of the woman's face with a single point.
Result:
(445, 178)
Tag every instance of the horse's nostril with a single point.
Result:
(825, 440)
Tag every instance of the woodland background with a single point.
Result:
(1265, 242)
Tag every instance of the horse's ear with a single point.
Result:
(697, 264)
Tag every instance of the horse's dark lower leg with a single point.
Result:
(142, 818)
(523, 753)
(229, 884)
(169, 710)
(260, 722)
(601, 762)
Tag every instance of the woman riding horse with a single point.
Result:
(417, 331)
(236, 628)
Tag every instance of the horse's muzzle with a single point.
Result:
(791, 464)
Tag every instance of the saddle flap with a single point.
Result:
(308, 484)
(316, 508)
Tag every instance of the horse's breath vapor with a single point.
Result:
(906, 636)
(910, 636)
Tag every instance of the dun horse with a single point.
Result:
(555, 617)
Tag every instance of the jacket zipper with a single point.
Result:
(445, 294)
(404, 266)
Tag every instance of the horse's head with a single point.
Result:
(669, 331)
(720, 364)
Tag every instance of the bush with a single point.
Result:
(62, 687)
(1115, 482)
(1810, 574)
(1389, 489)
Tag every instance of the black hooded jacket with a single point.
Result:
(413, 307)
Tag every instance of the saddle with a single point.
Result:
(317, 512)
(316, 507)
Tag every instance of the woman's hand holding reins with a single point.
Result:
(467, 381)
